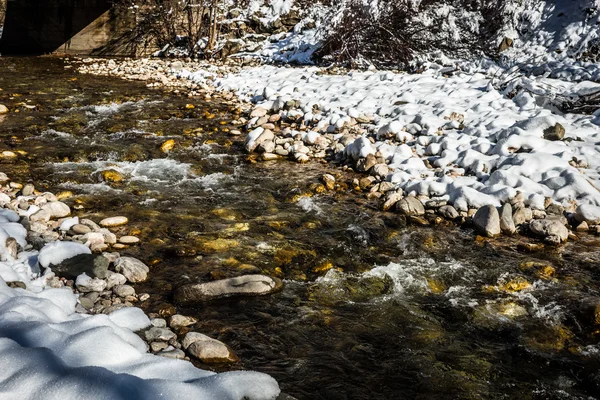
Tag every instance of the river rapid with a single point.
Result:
(372, 308)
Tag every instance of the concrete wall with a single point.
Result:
(65, 26)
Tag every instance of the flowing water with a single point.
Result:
(371, 308)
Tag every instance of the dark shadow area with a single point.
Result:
(42, 26)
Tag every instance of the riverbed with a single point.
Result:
(372, 308)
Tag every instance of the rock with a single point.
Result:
(392, 199)
(129, 240)
(365, 164)
(507, 225)
(154, 334)
(86, 284)
(522, 215)
(110, 175)
(86, 302)
(246, 285)
(89, 264)
(12, 247)
(80, 229)
(551, 230)
(28, 190)
(114, 279)
(506, 44)
(258, 112)
(380, 170)
(123, 290)
(410, 206)
(56, 209)
(582, 227)
(40, 216)
(158, 346)
(329, 181)
(487, 221)
(588, 213)
(556, 132)
(132, 268)
(167, 146)
(448, 212)
(181, 321)
(114, 221)
(172, 352)
(3, 109)
(207, 349)
(159, 322)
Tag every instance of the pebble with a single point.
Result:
(123, 290)
(163, 334)
(159, 322)
(180, 321)
(114, 221)
(129, 240)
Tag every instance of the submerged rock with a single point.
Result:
(246, 285)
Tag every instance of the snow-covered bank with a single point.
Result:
(449, 136)
(65, 334)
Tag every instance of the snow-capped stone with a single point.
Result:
(588, 213)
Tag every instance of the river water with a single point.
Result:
(371, 308)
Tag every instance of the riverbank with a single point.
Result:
(446, 143)
(63, 297)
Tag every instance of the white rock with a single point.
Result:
(113, 221)
(132, 268)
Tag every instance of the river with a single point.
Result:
(372, 308)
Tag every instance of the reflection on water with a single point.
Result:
(371, 309)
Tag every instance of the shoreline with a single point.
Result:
(278, 128)
(84, 292)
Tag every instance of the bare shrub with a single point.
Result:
(394, 31)
(177, 23)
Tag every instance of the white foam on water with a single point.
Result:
(308, 204)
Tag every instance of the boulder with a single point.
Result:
(588, 213)
(246, 285)
(91, 265)
(556, 132)
(56, 209)
(507, 224)
(132, 268)
(410, 206)
(487, 221)
(448, 212)
(550, 230)
(207, 349)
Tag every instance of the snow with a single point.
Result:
(47, 348)
(56, 252)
